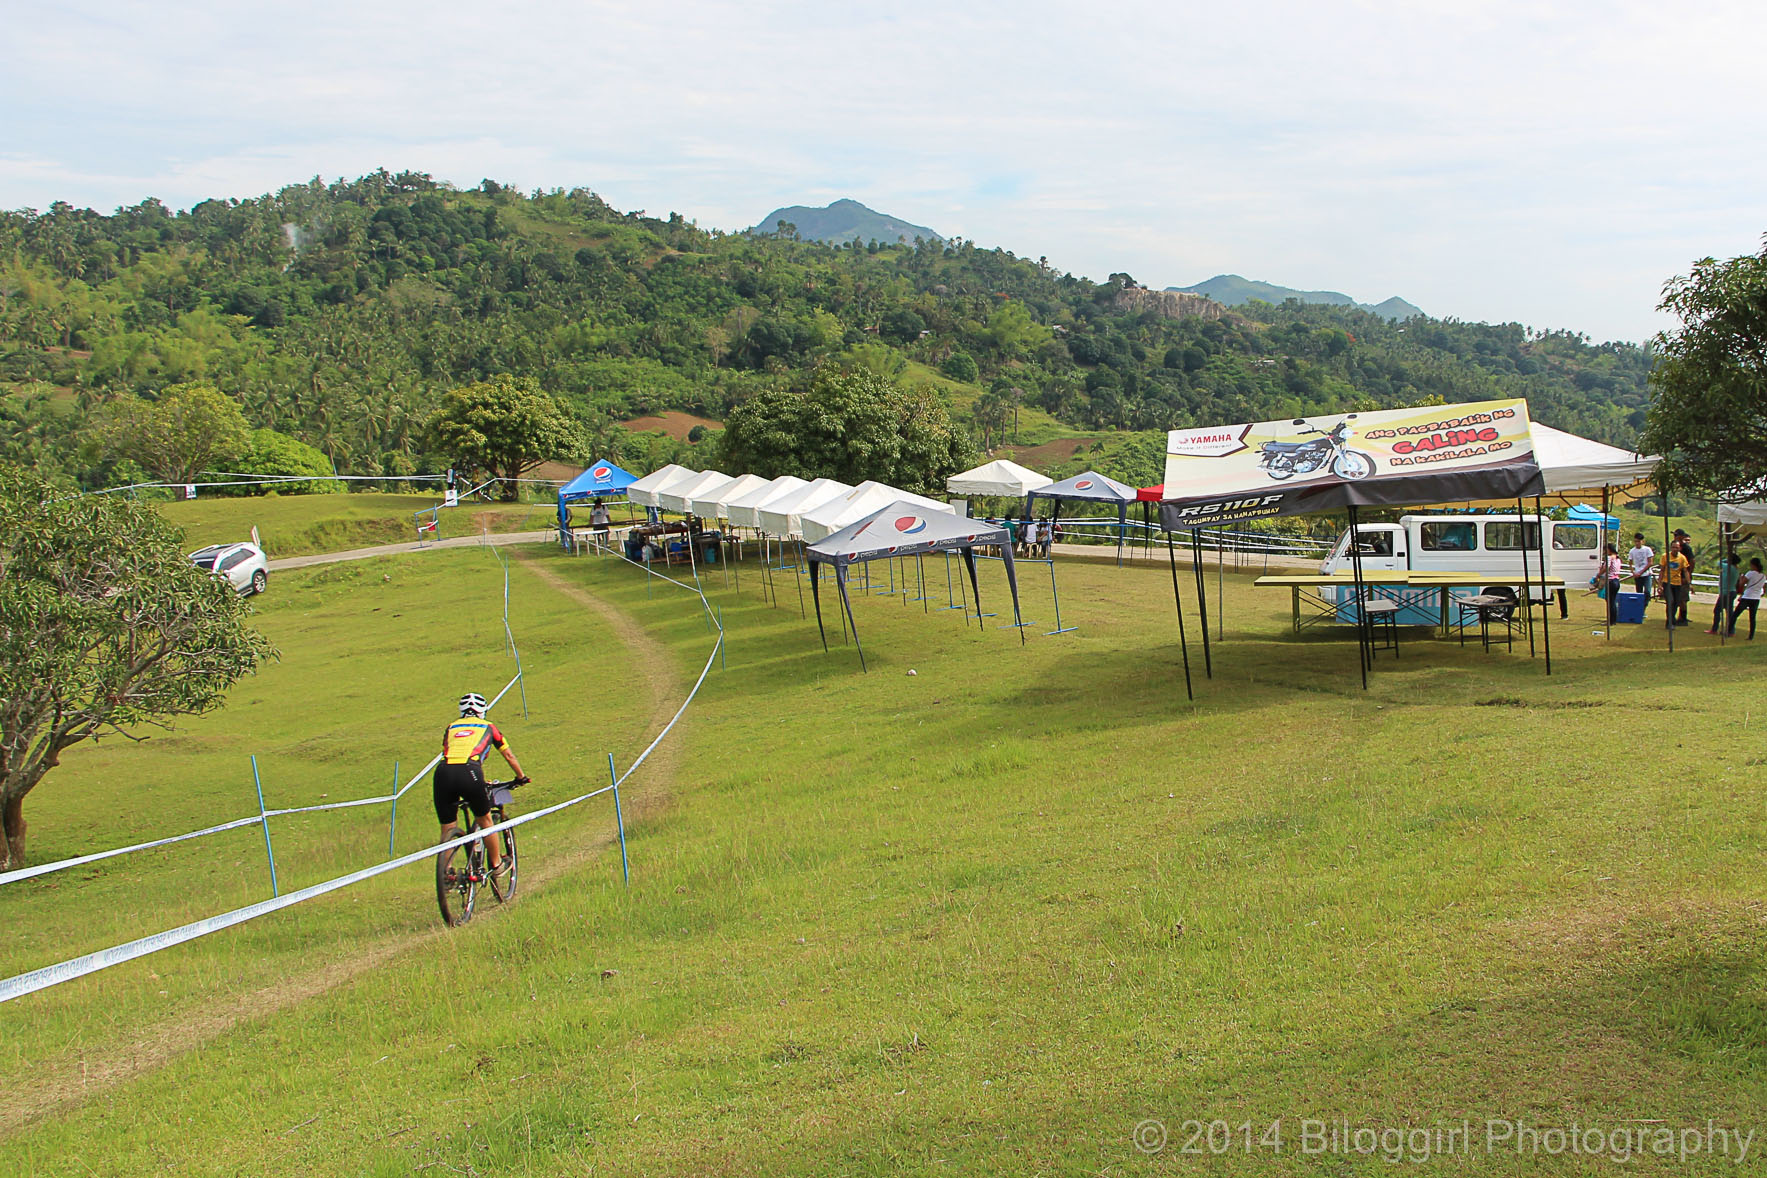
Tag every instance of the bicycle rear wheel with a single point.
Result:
(503, 886)
(457, 874)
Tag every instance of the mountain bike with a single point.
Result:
(460, 870)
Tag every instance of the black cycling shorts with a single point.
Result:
(461, 783)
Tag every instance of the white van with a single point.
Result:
(1489, 545)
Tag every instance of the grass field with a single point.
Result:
(983, 919)
(297, 525)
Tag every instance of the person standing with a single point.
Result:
(1675, 585)
(1748, 595)
(1681, 539)
(1642, 557)
(1611, 571)
(1728, 573)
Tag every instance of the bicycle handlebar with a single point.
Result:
(512, 783)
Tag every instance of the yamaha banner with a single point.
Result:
(1390, 457)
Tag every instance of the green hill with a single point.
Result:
(1234, 291)
(844, 221)
(340, 313)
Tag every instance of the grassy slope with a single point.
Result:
(989, 917)
(295, 525)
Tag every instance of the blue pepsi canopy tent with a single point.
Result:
(906, 529)
(602, 480)
(1089, 487)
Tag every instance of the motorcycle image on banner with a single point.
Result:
(1282, 460)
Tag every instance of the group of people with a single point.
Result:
(1739, 588)
(1035, 537)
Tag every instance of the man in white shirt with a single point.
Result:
(1031, 538)
(1643, 561)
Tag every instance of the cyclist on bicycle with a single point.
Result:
(461, 775)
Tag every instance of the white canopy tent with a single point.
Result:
(1000, 477)
(826, 519)
(744, 510)
(1574, 469)
(710, 504)
(782, 517)
(677, 496)
(1743, 521)
(644, 491)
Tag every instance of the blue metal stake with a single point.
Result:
(393, 821)
(1056, 593)
(269, 853)
(619, 821)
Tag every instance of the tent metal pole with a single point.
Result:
(1362, 652)
(920, 567)
(1613, 608)
(1202, 597)
(816, 593)
(950, 604)
(1545, 614)
(1056, 594)
(798, 578)
(1220, 588)
(1178, 603)
(1527, 577)
(847, 601)
(1663, 497)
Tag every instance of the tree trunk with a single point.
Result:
(12, 820)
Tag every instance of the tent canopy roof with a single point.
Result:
(676, 496)
(644, 491)
(1087, 485)
(781, 517)
(744, 509)
(903, 528)
(1000, 477)
(601, 478)
(715, 504)
(831, 516)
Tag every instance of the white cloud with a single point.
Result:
(1502, 161)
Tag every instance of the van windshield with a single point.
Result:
(1371, 544)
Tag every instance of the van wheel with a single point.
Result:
(259, 580)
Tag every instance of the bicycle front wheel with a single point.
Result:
(503, 886)
(457, 872)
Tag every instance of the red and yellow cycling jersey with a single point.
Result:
(466, 741)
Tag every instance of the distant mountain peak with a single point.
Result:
(1233, 290)
(842, 221)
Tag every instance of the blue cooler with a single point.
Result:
(1631, 608)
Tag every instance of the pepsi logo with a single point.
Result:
(1083, 484)
(602, 472)
(910, 524)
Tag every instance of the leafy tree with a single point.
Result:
(850, 426)
(901, 326)
(190, 429)
(506, 426)
(991, 412)
(960, 366)
(273, 455)
(105, 626)
(1708, 417)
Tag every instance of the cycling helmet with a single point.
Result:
(472, 704)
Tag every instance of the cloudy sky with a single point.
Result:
(1544, 162)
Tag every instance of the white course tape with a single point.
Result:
(63, 864)
(77, 967)
(67, 971)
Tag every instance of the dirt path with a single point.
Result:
(499, 540)
(68, 1080)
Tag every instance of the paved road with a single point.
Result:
(301, 562)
